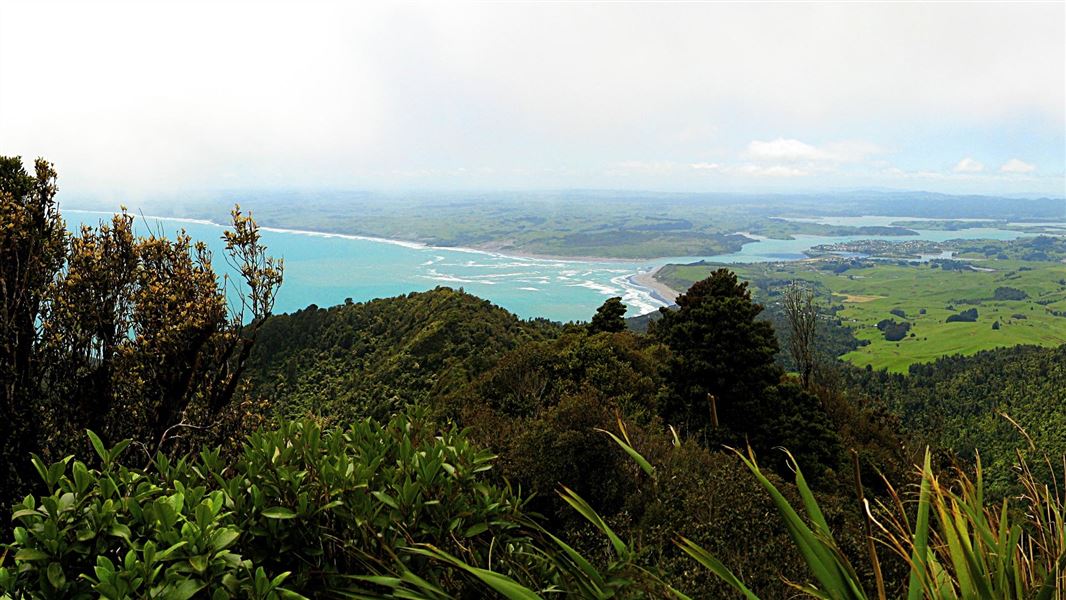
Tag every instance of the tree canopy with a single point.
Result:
(126, 334)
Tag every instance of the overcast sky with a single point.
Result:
(139, 98)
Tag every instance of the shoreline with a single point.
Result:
(658, 290)
(643, 280)
(551, 257)
(484, 249)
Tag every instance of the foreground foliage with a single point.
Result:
(957, 547)
(128, 335)
(302, 509)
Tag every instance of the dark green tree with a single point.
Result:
(791, 417)
(609, 317)
(723, 358)
(723, 385)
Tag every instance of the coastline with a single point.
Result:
(483, 249)
(551, 257)
(659, 290)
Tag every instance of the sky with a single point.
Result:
(140, 98)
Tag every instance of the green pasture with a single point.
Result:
(869, 294)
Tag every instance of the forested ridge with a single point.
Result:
(373, 358)
(433, 445)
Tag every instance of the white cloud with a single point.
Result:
(782, 149)
(771, 171)
(791, 150)
(642, 166)
(334, 94)
(969, 165)
(750, 169)
(1016, 166)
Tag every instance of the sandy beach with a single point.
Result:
(662, 291)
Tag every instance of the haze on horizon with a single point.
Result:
(145, 99)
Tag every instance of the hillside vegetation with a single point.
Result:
(434, 446)
(958, 403)
(371, 358)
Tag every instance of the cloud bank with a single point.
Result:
(136, 97)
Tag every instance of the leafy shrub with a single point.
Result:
(325, 505)
(898, 312)
(122, 532)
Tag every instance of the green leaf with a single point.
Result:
(165, 553)
(56, 576)
(184, 590)
(501, 584)
(919, 556)
(224, 539)
(715, 566)
(121, 531)
(98, 445)
(593, 517)
(198, 563)
(476, 529)
(25, 512)
(632, 452)
(31, 554)
(279, 512)
(387, 499)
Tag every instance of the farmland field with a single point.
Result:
(923, 296)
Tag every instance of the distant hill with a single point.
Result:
(598, 223)
(373, 357)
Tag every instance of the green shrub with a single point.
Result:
(117, 532)
(303, 507)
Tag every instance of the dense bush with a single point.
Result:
(539, 407)
(967, 316)
(893, 330)
(956, 404)
(1009, 293)
(372, 358)
(302, 508)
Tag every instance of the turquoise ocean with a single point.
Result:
(327, 269)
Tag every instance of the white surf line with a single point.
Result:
(145, 217)
(643, 299)
(349, 236)
(368, 238)
(637, 300)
